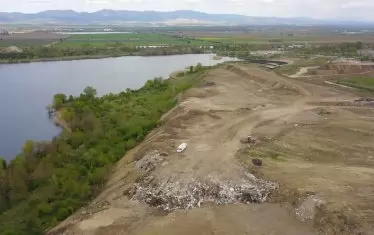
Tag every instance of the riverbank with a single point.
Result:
(85, 57)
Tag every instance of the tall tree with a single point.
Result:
(58, 100)
(90, 92)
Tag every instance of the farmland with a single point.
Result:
(238, 42)
(277, 34)
(195, 36)
(30, 39)
(253, 39)
(133, 39)
(65, 40)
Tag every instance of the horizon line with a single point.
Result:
(160, 11)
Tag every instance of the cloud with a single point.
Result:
(347, 9)
(358, 4)
(98, 1)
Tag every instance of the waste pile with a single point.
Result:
(172, 194)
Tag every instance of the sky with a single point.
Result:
(319, 9)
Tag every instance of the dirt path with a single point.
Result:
(303, 71)
(207, 189)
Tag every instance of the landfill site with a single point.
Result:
(248, 151)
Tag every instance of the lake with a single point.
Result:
(92, 33)
(27, 89)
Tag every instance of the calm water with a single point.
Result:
(101, 32)
(26, 89)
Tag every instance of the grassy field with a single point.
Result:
(276, 35)
(130, 39)
(255, 39)
(181, 37)
(364, 83)
(134, 39)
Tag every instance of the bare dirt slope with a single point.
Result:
(315, 144)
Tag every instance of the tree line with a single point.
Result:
(117, 49)
(348, 49)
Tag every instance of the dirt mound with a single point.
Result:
(237, 70)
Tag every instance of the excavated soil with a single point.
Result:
(316, 175)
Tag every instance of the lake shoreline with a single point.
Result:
(32, 86)
(65, 58)
(85, 57)
(59, 121)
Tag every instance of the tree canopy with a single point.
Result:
(90, 92)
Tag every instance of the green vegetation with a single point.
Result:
(50, 180)
(224, 43)
(132, 39)
(91, 50)
(295, 67)
(348, 49)
(257, 39)
(361, 82)
(240, 50)
(105, 45)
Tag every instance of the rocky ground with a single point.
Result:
(266, 155)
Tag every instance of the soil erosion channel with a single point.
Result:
(213, 188)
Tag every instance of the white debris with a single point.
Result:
(307, 209)
(181, 147)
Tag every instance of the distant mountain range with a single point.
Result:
(185, 17)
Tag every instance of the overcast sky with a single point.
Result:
(342, 9)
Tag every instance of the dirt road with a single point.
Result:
(303, 71)
(307, 181)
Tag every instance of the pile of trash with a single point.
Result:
(172, 194)
(365, 101)
(248, 140)
(149, 161)
(307, 209)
